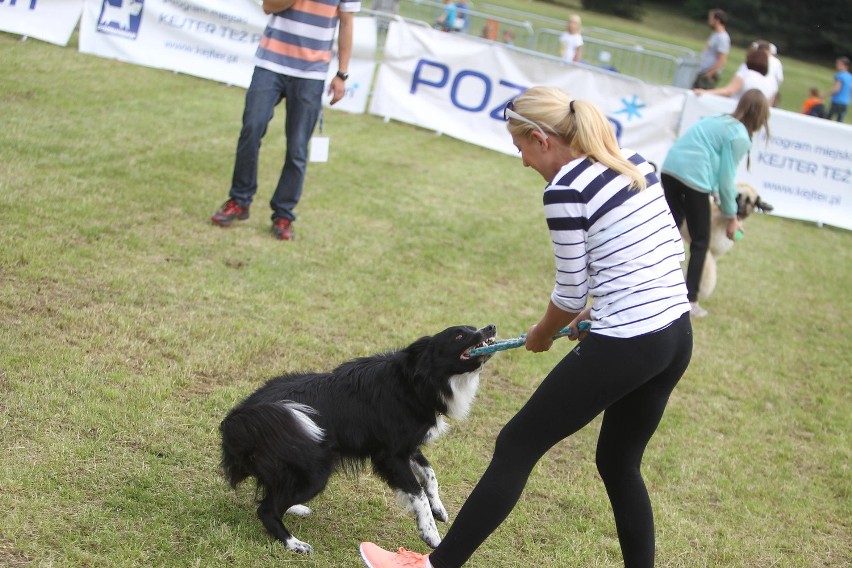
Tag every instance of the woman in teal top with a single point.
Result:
(704, 161)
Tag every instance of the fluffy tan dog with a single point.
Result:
(747, 201)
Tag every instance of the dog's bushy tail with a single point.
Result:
(261, 440)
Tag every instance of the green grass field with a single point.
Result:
(129, 326)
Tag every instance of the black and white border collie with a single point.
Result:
(297, 429)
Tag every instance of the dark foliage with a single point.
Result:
(800, 28)
(631, 9)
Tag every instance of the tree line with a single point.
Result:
(799, 28)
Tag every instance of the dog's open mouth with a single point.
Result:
(488, 341)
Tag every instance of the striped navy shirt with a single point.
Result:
(616, 246)
(298, 41)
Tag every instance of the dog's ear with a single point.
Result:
(763, 206)
(419, 346)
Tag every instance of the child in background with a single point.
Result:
(814, 105)
(571, 41)
(446, 22)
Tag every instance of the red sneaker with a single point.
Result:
(229, 211)
(376, 557)
(282, 228)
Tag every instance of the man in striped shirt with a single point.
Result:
(291, 64)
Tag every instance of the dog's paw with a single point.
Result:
(299, 510)
(439, 512)
(297, 545)
(431, 538)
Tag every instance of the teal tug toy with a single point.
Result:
(738, 235)
(504, 344)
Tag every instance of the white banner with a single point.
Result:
(52, 21)
(452, 84)
(214, 39)
(459, 86)
(804, 170)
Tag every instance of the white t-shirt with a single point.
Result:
(569, 44)
(719, 42)
(776, 70)
(754, 80)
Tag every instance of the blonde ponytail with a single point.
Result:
(580, 123)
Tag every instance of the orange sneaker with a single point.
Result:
(376, 557)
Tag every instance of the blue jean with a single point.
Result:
(837, 111)
(303, 105)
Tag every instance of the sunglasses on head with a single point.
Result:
(509, 112)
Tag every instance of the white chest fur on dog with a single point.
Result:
(464, 393)
(458, 407)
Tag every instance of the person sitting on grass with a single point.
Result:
(814, 105)
(753, 74)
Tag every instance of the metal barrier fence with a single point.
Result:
(636, 60)
(475, 22)
(651, 61)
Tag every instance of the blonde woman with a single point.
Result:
(617, 253)
(571, 40)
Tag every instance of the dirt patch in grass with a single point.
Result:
(12, 557)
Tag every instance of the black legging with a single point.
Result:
(630, 381)
(694, 206)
